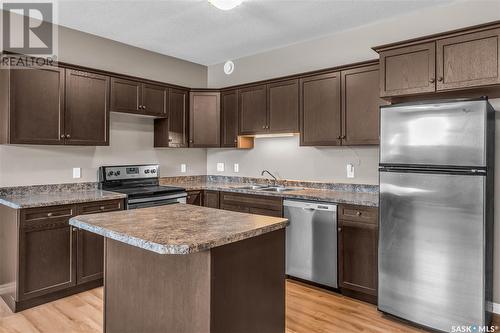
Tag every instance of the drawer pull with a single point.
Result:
(102, 208)
(50, 214)
(358, 213)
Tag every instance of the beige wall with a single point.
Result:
(285, 158)
(131, 138)
(92, 51)
(354, 45)
(131, 142)
(291, 161)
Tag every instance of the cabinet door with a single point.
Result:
(154, 100)
(320, 110)
(358, 246)
(469, 60)
(177, 118)
(37, 106)
(229, 118)
(90, 246)
(46, 251)
(360, 106)
(125, 96)
(204, 119)
(211, 199)
(194, 198)
(253, 110)
(87, 109)
(284, 107)
(408, 70)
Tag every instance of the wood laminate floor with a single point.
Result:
(309, 310)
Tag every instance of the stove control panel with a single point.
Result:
(129, 172)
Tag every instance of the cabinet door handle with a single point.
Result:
(339, 229)
(339, 137)
(73, 229)
(144, 107)
(432, 80)
(343, 137)
(68, 136)
(235, 141)
(264, 127)
(440, 79)
(63, 136)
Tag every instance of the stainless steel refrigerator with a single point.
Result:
(436, 212)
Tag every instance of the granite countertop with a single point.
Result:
(178, 228)
(53, 195)
(351, 196)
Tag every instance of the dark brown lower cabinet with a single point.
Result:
(195, 198)
(46, 251)
(211, 199)
(54, 259)
(357, 252)
(253, 204)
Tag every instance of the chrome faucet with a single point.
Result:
(270, 174)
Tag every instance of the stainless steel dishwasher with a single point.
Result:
(311, 241)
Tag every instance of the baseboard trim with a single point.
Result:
(496, 308)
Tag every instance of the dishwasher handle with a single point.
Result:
(310, 205)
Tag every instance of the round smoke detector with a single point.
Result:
(229, 67)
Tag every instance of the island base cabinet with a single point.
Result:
(239, 287)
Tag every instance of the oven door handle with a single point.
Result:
(152, 199)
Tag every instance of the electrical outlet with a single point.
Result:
(183, 168)
(77, 173)
(350, 170)
(220, 167)
(236, 167)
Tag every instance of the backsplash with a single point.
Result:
(341, 187)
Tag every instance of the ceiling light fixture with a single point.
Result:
(225, 4)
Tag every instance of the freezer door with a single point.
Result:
(446, 134)
(431, 248)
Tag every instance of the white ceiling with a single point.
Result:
(196, 31)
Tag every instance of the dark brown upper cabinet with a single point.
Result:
(130, 96)
(360, 106)
(269, 108)
(173, 131)
(204, 119)
(468, 60)
(283, 107)
(125, 96)
(320, 110)
(54, 106)
(33, 106)
(87, 108)
(229, 118)
(457, 60)
(253, 110)
(154, 100)
(408, 70)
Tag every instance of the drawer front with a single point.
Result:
(46, 217)
(359, 214)
(100, 207)
(253, 201)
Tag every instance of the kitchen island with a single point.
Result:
(182, 268)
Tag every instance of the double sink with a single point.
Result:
(267, 188)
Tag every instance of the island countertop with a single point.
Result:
(178, 228)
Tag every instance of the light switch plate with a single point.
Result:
(220, 167)
(350, 170)
(183, 168)
(236, 167)
(77, 173)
